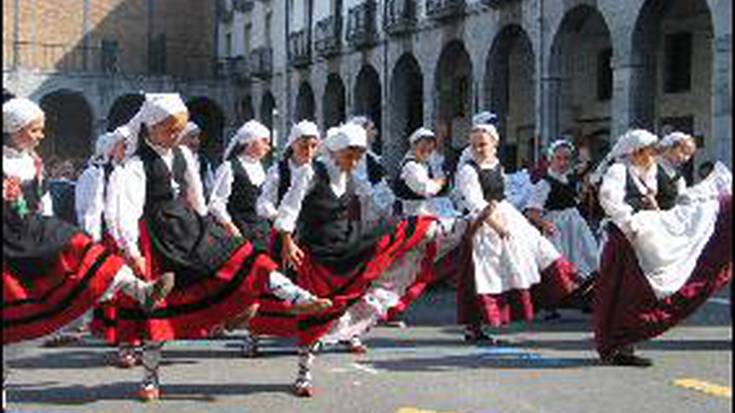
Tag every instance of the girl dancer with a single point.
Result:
(661, 259)
(218, 276)
(505, 258)
(238, 184)
(53, 272)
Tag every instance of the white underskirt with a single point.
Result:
(574, 239)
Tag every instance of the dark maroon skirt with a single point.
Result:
(558, 283)
(626, 310)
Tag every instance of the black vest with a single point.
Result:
(158, 187)
(491, 181)
(402, 190)
(666, 192)
(375, 170)
(561, 196)
(244, 196)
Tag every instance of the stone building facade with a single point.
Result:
(583, 68)
(87, 61)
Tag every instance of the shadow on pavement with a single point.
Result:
(79, 394)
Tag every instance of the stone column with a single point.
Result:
(721, 146)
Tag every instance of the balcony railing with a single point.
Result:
(261, 62)
(400, 16)
(328, 36)
(498, 3)
(361, 24)
(234, 68)
(444, 9)
(299, 48)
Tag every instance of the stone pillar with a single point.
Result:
(550, 89)
(721, 140)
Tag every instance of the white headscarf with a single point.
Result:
(18, 113)
(674, 138)
(361, 120)
(485, 118)
(421, 133)
(191, 128)
(156, 108)
(105, 142)
(347, 135)
(466, 154)
(303, 128)
(559, 143)
(247, 133)
(626, 144)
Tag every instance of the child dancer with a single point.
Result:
(505, 259)
(53, 272)
(218, 276)
(661, 259)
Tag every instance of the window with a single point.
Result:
(108, 62)
(678, 62)
(604, 74)
(228, 44)
(157, 55)
(268, 19)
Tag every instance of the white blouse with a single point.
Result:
(222, 187)
(20, 164)
(541, 190)
(470, 190)
(132, 194)
(612, 192)
(267, 205)
(89, 200)
(115, 184)
(301, 185)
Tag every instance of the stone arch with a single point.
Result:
(305, 103)
(333, 101)
(666, 89)
(453, 95)
(206, 113)
(581, 77)
(406, 103)
(367, 99)
(267, 106)
(69, 125)
(123, 109)
(510, 71)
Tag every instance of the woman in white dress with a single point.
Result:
(504, 256)
(665, 252)
(553, 209)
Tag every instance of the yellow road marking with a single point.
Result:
(705, 387)
(416, 410)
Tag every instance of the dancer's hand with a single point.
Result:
(138, 265)
(291, 253)
(548, 228)
(11, 189)
(232, 230)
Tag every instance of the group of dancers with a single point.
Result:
(324, 244)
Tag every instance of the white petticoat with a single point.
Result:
(513, 263)
(387, 290)
(669, 243)
(574, 239)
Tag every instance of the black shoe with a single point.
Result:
(622, 359)
(472, 336)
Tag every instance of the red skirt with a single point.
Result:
(558, 283)
(193, 311)
(626, 310)
(274, 317)
(39, 306)
(104, 315)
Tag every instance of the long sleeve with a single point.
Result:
(47, 205)
(612, 197)
(417, 179)
(266, 205)
(112, 203)
(221, 191)
(131, 203)
(89, 202)
(195, 194)
(468, 185)
(539, 194)
(290, 207)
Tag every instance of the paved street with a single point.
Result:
(550, 367)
